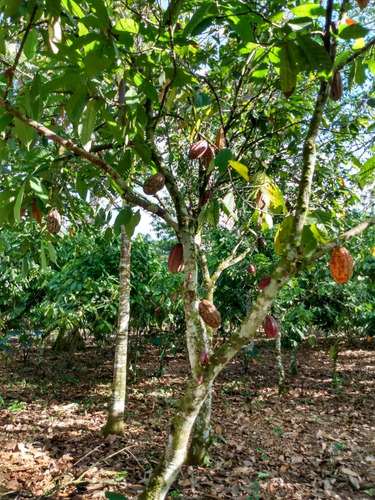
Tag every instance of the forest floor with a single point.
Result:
(316, 442)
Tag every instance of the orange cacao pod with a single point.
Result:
(341, 265)
(209, 314)
(176, 259)
(54, 222)
(271, 327)
(198, 149)
(37, 213)
(153, 184)
(336, 87)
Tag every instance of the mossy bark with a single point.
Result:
(115, 422)
(280, 366)
(293, 362)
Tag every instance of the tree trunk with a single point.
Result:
(177, 443)
(201, 440)
(280, 366)
(115, 422)
(293, 361)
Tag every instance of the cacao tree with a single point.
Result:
(237, 106)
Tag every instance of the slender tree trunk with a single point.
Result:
(280, 366)
(293, 361)
(115, 422)
(201, 440)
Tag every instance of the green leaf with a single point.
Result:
(198, 16)
(275, 197)
(52, 252)
(127, 24)
(24, 267)
(222, 159)
(228, 205)
(142, 148)
(76, 103)
(18, 204)
(319, 234)
(366, 175)
(108, 234)
(308, 240)
(240, 168)
(114, 496)
(210, 213)
(309, 10)
(288, 69)
(73, 8)
(31, 43)
(38, 188)
(24, 133)
(316, 55)
(347, 32)
(36, 95)
(43, 259)
(81, 185)
(122, 219)
(124, 165)
(86, 124)
(132, 223)
(202, 101)
(283, 235)
(319, 217)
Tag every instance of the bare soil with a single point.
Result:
(316, 442)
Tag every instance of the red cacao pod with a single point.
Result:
(153, 184)
(204, 358)
(208, 156)
(271, 327)
(341, 265)
(198, 149)
(209, 314)
(252, 269)
(176, 259)
(54, 222)
(260, 242)
(265, 281)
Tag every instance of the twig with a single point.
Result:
(89, 453)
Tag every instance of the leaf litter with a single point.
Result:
(316, 442)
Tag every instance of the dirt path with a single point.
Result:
(316, 442)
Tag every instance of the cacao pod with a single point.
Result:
(204, 358)
(176, 259)
(153, 184)
(362, 3)
(271, 327)
(336, 87)
(252, 269)
(197, 150)
(200, 380)
(220, 139)
(53, 222)
(206, 196)
(208, 156)
(37, 213)
(260, 242)
(209, 314)
(265, 281)
(341, 265)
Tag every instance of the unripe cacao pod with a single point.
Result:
(153, 184)
(271, 327)
(252, 269)
(341, 265)
(265, 281)
(176, 259)
(209, 314)
(198, 149)
(37, 213)
(53, 222)
(336, 87)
